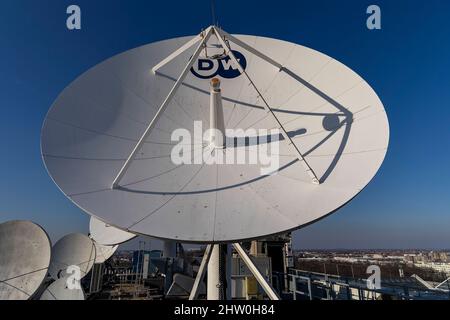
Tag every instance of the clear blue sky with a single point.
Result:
(407, 205)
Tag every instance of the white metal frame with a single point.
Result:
(223, 34)
(270, 291)
(203, 37)
(441, 284)
(183, 48)
(164, 105)
(201, 272)
(256, 273)
(221, 37)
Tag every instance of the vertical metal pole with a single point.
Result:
(213, 278)
(310, 289)
(170, 249)
(219, 273)
(201, 272)
(145, 267)
(213, 12)
(327, 286)
(349, 292)
(141, 276)
(294, 287)
(141, 263)
(227, 270)
(216, 120)
(137, 264)
(136, 275)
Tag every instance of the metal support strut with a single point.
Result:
(270, 291)
(164, 105)
(223, 38)
(286, 136)
(201, 272)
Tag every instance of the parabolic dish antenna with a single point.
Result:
(103, 252)
(107, 235)
(110, 138)
(72, 250)
(25, 251)
(60, 290)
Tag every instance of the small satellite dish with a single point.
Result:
(72, 250)
(108, 140)
(60, 290)
(25, 251)
(103, 252)
(107, 235)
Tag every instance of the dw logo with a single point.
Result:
(224, 67)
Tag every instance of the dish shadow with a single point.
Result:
(331, 123)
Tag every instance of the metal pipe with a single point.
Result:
(216, 120)
(213, 281)
(201, 272)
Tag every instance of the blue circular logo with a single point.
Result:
(224, 67)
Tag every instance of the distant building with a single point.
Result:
(409, 258)
(440, 267)
(138, 260)
(434, 256)
(444, 257)
(421, 258)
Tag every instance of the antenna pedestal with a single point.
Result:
(217, 259)
(219, 273)
(217, 124)
(170, 249)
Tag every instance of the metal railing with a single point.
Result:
(299, 284)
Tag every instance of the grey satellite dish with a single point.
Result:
(107, 235)
(72, 250)
(107, 140)
(25, 251)
(103, 252)
(182, 285)
(60, 290)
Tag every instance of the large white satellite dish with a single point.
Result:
(25, 251)
(107, 140)
(107, 235)
(73, 250)
(103, 252)
(60, 290)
